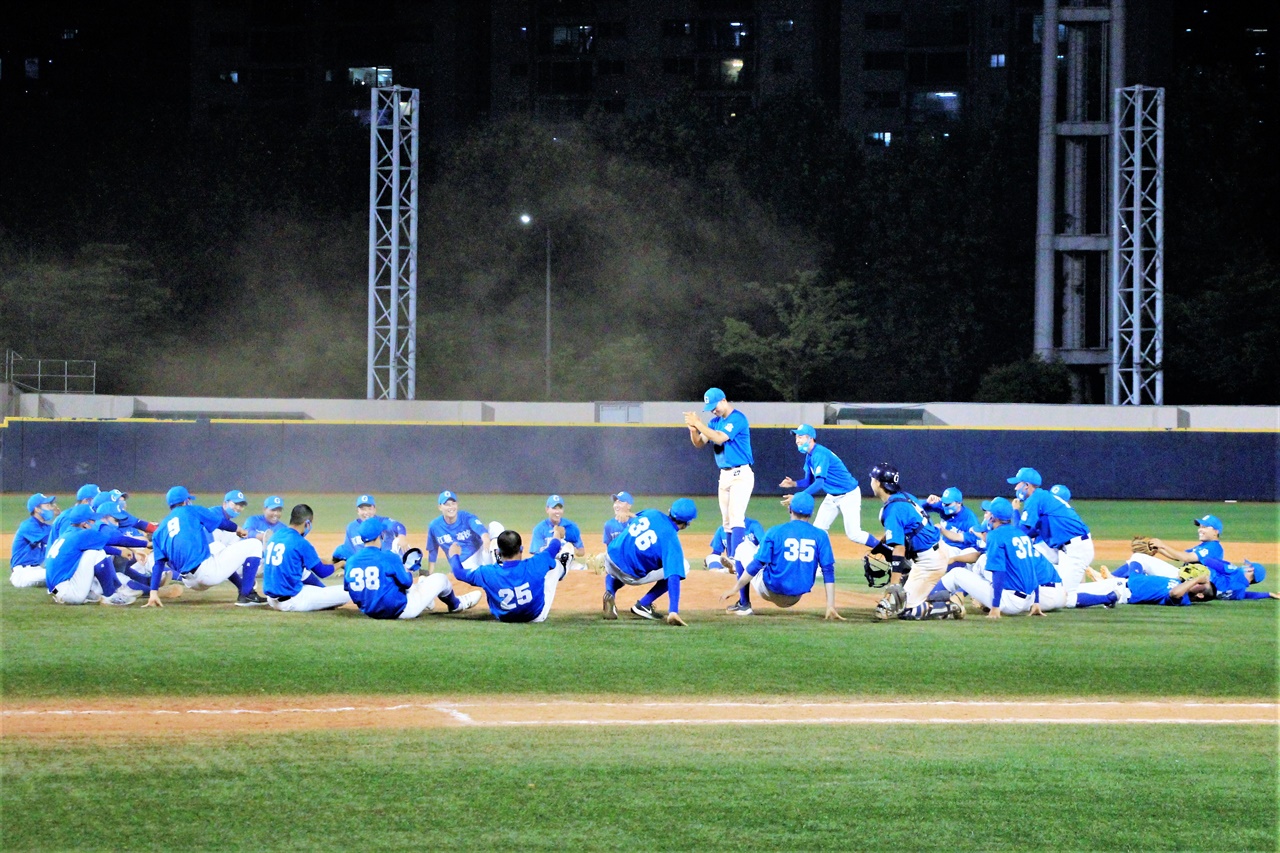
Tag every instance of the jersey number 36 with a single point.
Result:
(639, 531)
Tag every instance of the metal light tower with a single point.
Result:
(393, 243)
(1137, 247)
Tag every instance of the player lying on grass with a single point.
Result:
(382, 587)
(182, 544)
(1228, 582)
(720, 560)
(649, 552)
(291, 569)
(785, 565)
(1145, 589)
(518, 590)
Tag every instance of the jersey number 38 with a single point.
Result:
(364, 577)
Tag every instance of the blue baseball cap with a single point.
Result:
(177, 495)
(625, 497)
(366, 500)
(554, 500)
(273, 502)
(235, 496)
(113, 509)
(805, 429)
(87, 492)
(1000, 508)
(447, 495)
(952, 495)
(684, 510)
(802, 503)
(711, 398)
(80, 513)
(1025, 475)
(1259, 571)
(1209, 521)
(1061, 491)
(37, 499)
(371, 529)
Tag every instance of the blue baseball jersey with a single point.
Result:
(352, 543)
(824, 472)
(121, 537)
(466, 531)
(184, 534)
(133, 522)
(790, 556)
(542, 534)
(1229, 582)
(612, 528)
(57, 527)
(30, 543)
(1050, 519)
(377, 581)
(961, 521)
(905, 523)
(1151, 589)
(737, 450)
(651, 542)
(1010, 552)
(719, 542)
(1206, 551)
(285, 559)
(63, 557)
(514, 589)
(259, 524)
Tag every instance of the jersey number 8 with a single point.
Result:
(364, 577)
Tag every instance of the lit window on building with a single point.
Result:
(730, 71)
(374, 76)
(883, 137)
(785, 25)
(572, 38)
(68, 35)
(997, 60)
(933, 106)
(229, 76)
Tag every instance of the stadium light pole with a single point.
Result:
(526, 219)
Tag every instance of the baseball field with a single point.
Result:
(204, 725)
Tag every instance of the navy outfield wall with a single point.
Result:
(210, 457)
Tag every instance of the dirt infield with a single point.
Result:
(177, 718)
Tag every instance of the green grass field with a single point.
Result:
(890, 787)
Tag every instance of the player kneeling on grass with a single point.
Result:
(77, 567)
(382, 587)
(649, 552)
(517, 590)
(786, 563)
(291, 569)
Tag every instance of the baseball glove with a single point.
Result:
(1143, 545)
(1193, 570)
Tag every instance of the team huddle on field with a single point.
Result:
(1029, 555)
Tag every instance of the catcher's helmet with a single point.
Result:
(887, 475)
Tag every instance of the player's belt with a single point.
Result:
(1017, 594)
(735, 467)
(842, 494)
(1055, 583)
(279, 597)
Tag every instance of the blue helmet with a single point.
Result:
(887, 475)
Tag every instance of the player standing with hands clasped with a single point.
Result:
(729, 435)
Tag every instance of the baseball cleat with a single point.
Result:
(468, 601)
(739, 609)
(644, 611)
(610, 606)
(251, 599)
(117, 600)
(956, 606)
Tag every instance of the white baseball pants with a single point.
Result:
(1055, 597)
(926, 570)
(762, 589)
(848, 505)
(1154, 566)
(1011, 603)
(81, 586)
(554, 576)
(736, 486)
(312, 598)
(424, 594)
(24, 576)
(1073, 558)
(222, 565)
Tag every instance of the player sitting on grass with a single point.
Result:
(556, 526)
(457, 526)
(77, 567)
(1209, 532)
(787, 561)
(182, 544)
(26, 559)
(265, 525)
(649, 552)
(518, 590)
(291, 569)
(382, 587)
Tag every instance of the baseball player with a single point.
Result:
(649, 552)
(382, 587)
(825, 472)
(729, 435)
(720, 559)
(1018, 571)
(84, 495)
(366, 508)
(78, 568)
(914, 546)
(457, 526)
(26, 560)
(1209, 532)
(1055, 526)
(556, 526)
(622, 514)
(1142, 589)
(1229, 582)
(288, 560)
(184, 543)
(518, 590)
(787, 561)
(233, 505)
(957, 521)
(263, 527)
